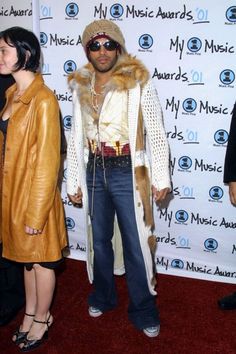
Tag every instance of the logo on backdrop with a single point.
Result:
(227, 77)
(216, 193)
(194, 44)
(13, 12)
(67, 122)
(231, 14)
(45, 69)
(45, 12)
(145, 42)
(43, 38)
(116, 10)
(189, 105)
(72, 10)
(221, 136)
(70, 223)
(65, 174)
(210, 244)
(69, 66)
(181, 216)
(177, 263)
(185, 163)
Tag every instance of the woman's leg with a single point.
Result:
(45, 285)
(31, 300)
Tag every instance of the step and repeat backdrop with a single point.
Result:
(189, 48)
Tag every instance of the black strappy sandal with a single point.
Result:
(21, 336)
(30, 344)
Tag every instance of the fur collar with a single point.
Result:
(127, 72)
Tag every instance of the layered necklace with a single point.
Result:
(96, 97)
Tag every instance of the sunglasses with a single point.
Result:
(108, 45)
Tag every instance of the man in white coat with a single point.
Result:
(116, 114)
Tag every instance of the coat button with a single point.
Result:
(139, 204)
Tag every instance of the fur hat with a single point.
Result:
(107, 28)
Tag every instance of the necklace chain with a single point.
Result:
(96, 103)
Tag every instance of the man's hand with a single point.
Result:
(77, 197)
(159, 196)
(232, 192)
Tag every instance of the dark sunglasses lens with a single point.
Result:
(94, 46)
(110, 45)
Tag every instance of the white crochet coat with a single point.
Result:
(157, 161)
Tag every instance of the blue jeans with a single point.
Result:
(113, 193)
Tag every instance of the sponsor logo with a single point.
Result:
(185, 163)
(132, 11)
(70, 223)
(227, 77)
(181, 216)
(67, 122)
(216, 193)
(177, 263)
(69, 66)
(145, 41)
(221, 136)
(231, 14)
(65, 174)
(116, 10)
(191, 107)
(72, 10)
(194, 44)
(211, 244)
(43, 38)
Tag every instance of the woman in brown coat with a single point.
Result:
(32, 218)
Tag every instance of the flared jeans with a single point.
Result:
(110, 193)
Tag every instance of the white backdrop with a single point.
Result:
(189, 47)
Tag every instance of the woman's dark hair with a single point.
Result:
(27, 47)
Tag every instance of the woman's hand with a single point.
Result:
(29, 230)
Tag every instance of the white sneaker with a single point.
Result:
(94, 311)
(152, 331)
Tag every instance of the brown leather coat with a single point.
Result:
(30, 195)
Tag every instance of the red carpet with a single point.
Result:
(191, 323)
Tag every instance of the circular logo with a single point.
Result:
(67, 122)
(211, 244)
(72, 9)
(65, 174)
(185, 162)
(194, 44)
(227, 76)
(145, 41)
(189, 105)
(69, 66)
(231, 14)
(43, 38)
(177, 263)
(221, 136)
(70, 224)
(181, 216)
(116, 10)
(216, 193)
